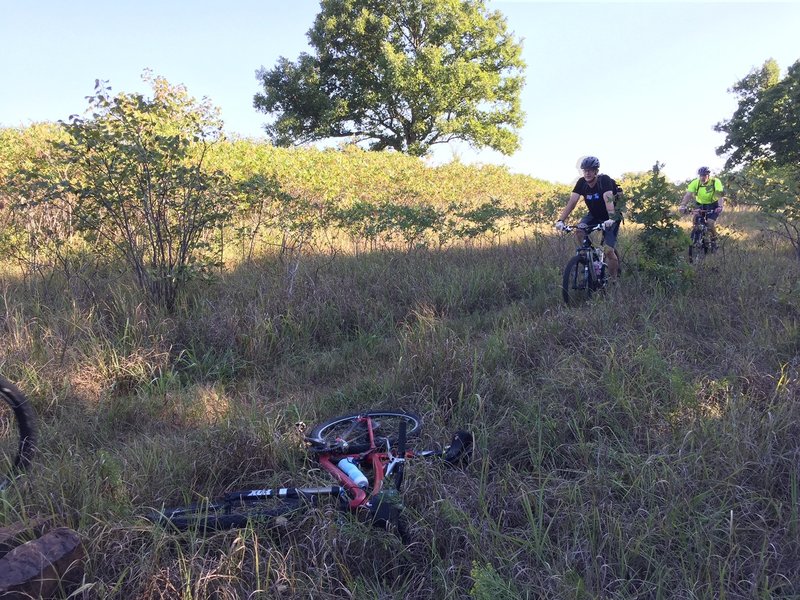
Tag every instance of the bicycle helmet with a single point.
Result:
(590, 162)
(704, 171)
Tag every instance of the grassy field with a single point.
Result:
(645, 445)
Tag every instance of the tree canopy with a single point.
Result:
(763, 139)
(766, 125)
(405, 75)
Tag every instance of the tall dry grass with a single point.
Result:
(645, 445)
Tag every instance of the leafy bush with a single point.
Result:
(662, 241)
(141, 183)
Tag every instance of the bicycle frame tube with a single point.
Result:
(701, 217)
(700, 225)
(378, 462)
(357, 495)
(587, 246)
(381, 464)
(330, 490)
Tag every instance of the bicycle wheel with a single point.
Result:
(349, 432)
(694, 238)
(698, 248)
(17, 431)
(576, 285)
(213, 516)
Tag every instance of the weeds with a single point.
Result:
(644, 445)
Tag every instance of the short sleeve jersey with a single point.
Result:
(708, 193)
(593, 196)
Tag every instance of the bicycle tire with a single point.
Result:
(576, 284)
(217, 516)
(698, 248)
(17, 431)
(345, 433)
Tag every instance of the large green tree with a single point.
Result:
(766, 124)
(405, 74)
(763, 144)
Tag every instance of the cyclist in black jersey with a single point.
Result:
(598, 191)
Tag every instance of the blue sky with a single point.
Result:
(632, 83)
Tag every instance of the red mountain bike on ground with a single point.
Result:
(349, 448)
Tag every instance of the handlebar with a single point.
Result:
(569, 228)
(700, 211)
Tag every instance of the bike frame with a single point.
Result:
(382, 463)
(700, 231)
(232, 509)
(588, 249)
(700, 220)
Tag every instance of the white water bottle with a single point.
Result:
(348, 465)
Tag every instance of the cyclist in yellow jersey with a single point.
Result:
(706, 191)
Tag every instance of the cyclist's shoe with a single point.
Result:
(460, 448)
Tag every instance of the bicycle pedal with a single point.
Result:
(459, 448)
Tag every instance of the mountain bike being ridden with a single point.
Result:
(349, 448)
(586, 272)
(600, 193)
(706, 194)
(701, 240)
